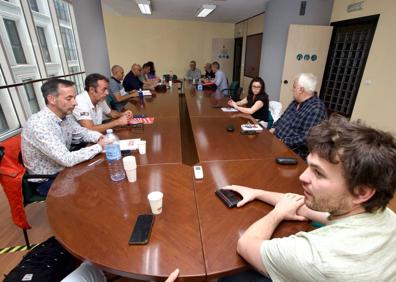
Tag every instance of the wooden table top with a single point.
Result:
(214, 142)
(163, 141)
(93, 217)
(221, 227)
(157, 105)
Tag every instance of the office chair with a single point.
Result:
(234, 91)
(13, 178)
(167, 77)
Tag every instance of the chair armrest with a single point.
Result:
(36, 176)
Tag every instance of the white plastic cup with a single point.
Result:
(142, 147)
(131, 174)
(155, 199)
(129, 162)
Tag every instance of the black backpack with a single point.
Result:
(49, 261)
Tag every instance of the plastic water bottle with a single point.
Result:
(200, 86)
(113, 156)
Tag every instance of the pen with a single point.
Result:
(96, 162)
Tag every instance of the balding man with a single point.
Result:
(304, 112)
(131, 81)
(118, 97)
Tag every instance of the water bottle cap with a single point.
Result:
(108, 131)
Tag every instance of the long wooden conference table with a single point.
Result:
(93, 217)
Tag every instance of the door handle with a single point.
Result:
(285, 82)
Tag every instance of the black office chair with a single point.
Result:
(167, 77)
(234, 92)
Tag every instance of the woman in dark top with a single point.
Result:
(256, 103)
(151, 74)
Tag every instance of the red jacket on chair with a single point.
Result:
(11, 174)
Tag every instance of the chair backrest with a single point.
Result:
(167, 77)
(234, 86)
(236, 96)
(275, 108)
(11, 175)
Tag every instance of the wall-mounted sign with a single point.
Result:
(224, 53)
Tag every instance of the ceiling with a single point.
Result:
(227, 11)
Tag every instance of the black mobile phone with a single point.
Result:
(142, 230)
(230, 198)
(125, 153)
(286, 160)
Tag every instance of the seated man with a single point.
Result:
(220, 78)
(118, 97)
(48, 134)
(209, 74)
(131, 80)
(91, 106)
(304, 112)
(193, 73)
(350, 179)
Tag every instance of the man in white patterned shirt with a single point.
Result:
(48, 134)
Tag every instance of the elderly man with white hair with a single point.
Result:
(304, 112)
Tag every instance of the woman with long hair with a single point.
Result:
(256, 103)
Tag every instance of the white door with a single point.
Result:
(306, 51)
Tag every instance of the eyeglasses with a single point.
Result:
(257, 87)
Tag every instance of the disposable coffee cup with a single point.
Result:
(155, 199)
(142, 147)
(131, 174)
(129, 162)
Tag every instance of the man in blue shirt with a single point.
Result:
(304, 112)
(131, 80)
(118, 97)
(220, 78)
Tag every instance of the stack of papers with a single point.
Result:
(146, 93)
(229, 110)
(129, 144)
(251, 127)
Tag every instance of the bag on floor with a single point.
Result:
(49, 261)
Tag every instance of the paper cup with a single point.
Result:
(155, 199)
(129, 162)
(142, 147)
(131, 174)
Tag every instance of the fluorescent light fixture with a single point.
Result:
(205, 10)
(144, 6)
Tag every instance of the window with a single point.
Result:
(68, 43)
(43, 44)
(15, 41)
(33, 5)
(3, 122)
(62, 10)
(31, 97)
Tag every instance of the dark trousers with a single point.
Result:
(247, 276)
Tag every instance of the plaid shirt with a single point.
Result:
(293, 126)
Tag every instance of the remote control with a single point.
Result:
(286, 160)
(198, 172)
